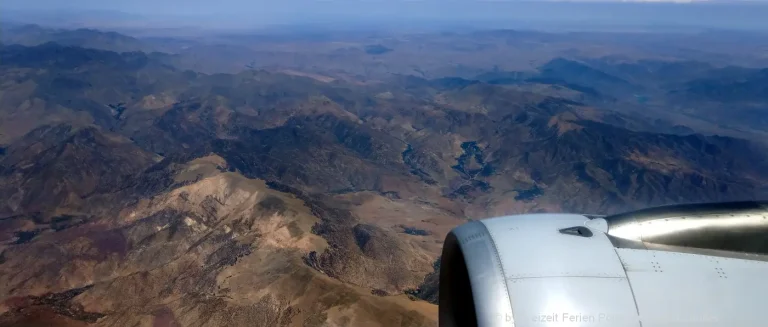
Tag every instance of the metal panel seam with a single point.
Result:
(501, 269)
(631, 290)
(572, 276)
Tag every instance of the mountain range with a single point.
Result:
(138, 191)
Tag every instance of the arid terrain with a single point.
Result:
(262, 180)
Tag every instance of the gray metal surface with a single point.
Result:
(523, 271)
(738, 227)
(682, 289)
(556, 278)
(470, 259)
(689, 265)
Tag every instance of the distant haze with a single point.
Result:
(249, 14)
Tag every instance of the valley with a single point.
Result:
(255, 181)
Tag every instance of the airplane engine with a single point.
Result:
(686, 265)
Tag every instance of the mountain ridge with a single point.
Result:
(283, 200)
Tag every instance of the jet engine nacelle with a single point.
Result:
(690, 265)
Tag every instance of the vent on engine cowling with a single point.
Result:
(456, 305)
(577, 231)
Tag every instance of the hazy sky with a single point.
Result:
(254, 12)
(220, 7)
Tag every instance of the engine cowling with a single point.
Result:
(695, 265)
